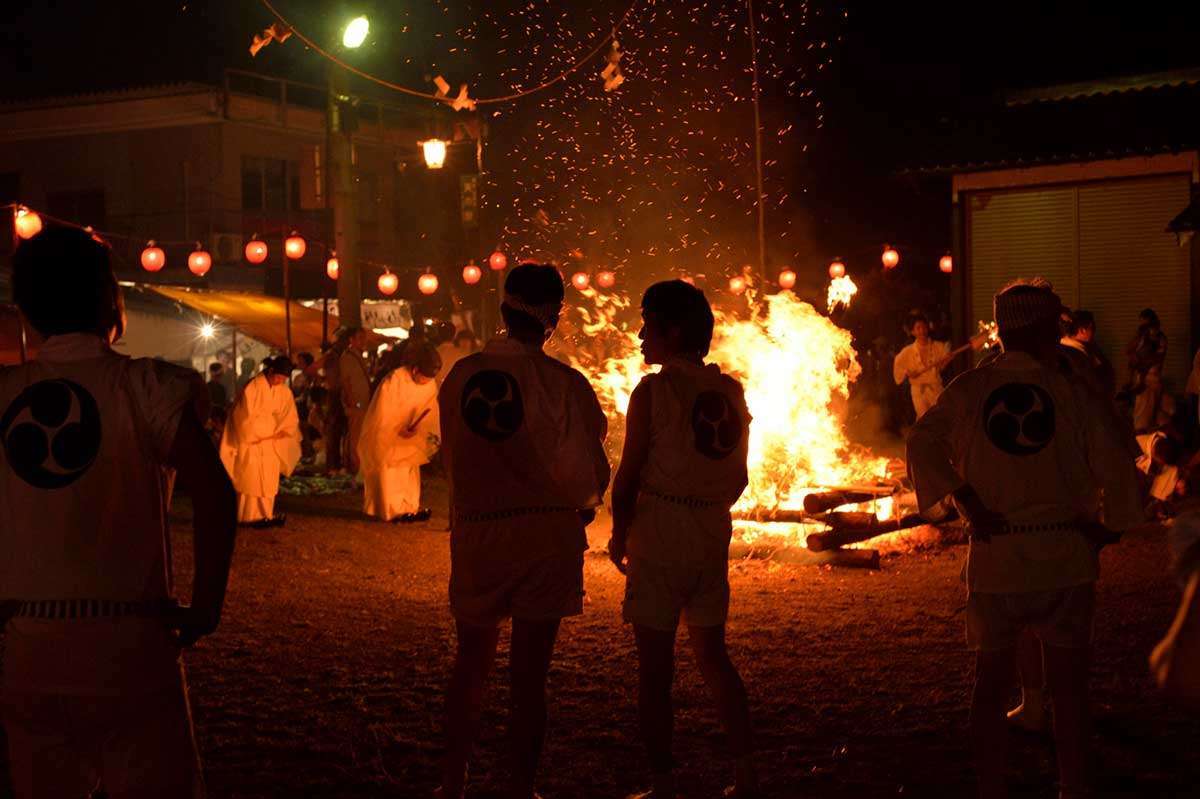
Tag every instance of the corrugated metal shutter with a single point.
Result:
(1020, 234)
(1127, 262)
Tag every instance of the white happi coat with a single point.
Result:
(926, 387)
(1040, 449)
(391, 463)
(252, 455)
(523, 436)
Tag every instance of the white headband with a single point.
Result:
(545, 314)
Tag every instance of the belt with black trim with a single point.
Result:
(1050, 527)
(89, 608)
(691, 502)
(511, 513)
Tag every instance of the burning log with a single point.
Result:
(828, 500)
(850, 528)
(781, 515)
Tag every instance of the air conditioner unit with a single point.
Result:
(225, 247)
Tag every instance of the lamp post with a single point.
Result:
(339, 181)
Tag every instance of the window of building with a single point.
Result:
(269, 184)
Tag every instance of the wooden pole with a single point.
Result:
(287, 296)
(758, 162)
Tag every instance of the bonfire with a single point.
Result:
(797, 367)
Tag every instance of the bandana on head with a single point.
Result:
(546, 313)
(1023, 309)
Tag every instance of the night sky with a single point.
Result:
(882, 73)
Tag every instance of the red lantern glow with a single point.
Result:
(153, 258)
(27, 223)
(199, 263)
(891, 258)
(331, 267)
(295, 246)
(787, 279)
(256, 251)
(837, 269)
(472, 274)
(580, 280)
(737, 284)
(388, 283)
(497, 261)
(606, 279)
(946, 264)
(427, 283)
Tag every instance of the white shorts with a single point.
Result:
(138, 747)
(656, 596)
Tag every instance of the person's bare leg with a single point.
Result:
(994, 673)
(1067, 673)
(729, 694)
(532, 648)
(1031, 713)
(464, 701)
(656, 716)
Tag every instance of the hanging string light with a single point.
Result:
(153, 258)
(497, 261)
(427, 283)
(388, 283)
(295, 246)
(737, 284)
(837, 269)
(890, 257)
(787, 279)
(606, 279)
(199, 262)
(946, 264)
(580, 280)
(471, 274)
(27, 223)
(331, 266)
(256, 251)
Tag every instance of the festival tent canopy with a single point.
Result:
(255, 315)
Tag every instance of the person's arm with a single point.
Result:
(629, 474)
(214, 524)
(900, 366)
(1175, 661)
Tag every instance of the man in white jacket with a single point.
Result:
(261, 442)
(1034, 463)
(523, 443)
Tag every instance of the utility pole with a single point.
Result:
(339, 159)
(758, 161)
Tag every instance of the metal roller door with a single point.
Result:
(1128, 262)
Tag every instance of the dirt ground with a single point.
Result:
(327, 675)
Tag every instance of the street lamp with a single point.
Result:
(356, 32)
(435, 153)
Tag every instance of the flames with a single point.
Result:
(796, 366)
(841, 291)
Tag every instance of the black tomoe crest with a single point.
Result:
(492, 405)
(1019, 418)
(51, 433)
(716, 426)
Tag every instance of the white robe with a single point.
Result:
(252, 455)
(927, 387)
(391, 463)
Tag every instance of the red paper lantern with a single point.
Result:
(787, 279)
(388, 283)
(331, 267)
(472, 274)
(837, 269)
(27, 223)
(199, 262)
(295, 246)
(256, 251)
(891, 258)
(946, 264)
(737, 284)
(497, 261)
(153, 258)
(427, 283)
(580, 280)
(606, 279)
